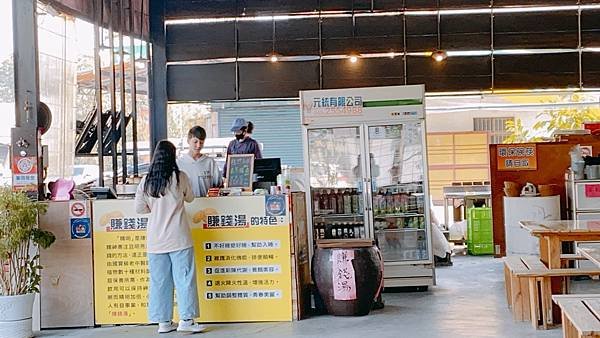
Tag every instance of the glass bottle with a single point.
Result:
(347, 198)
(316, 202)
(420, 204)
(355, 204)
(376, 203)
(403, 203)
(413, 203)
(332, 201)
(389, 201)
(323, 201)
(397, 197)
(340, 201)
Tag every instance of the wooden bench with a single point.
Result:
(571, 257)
(580, 315)
(529, 290)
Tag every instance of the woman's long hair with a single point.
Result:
(161, 169)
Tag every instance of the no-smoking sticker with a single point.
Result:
(78, 210)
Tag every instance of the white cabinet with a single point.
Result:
(583, 204)
(516, 209)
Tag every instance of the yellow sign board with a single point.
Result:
(242, 248)
(120, 264)
(517, 157)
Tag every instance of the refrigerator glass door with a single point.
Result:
(398, 202)
(336, 183)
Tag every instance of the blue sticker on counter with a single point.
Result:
(275, 205)
(80, 228)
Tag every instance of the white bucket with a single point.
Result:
(15, 316)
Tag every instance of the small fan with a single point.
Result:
(44, 118)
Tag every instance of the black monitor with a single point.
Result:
(267, 169)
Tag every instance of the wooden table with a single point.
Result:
(580, 315)
(592, 254)
(552, 233)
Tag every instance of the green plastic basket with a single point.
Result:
(480, 235)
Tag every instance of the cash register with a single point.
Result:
(266, 171)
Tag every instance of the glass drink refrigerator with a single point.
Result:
(366, 169)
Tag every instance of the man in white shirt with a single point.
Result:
(201, 169)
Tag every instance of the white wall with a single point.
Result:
(457, 121)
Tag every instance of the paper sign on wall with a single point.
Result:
(25, 175)
(517, 157)
(344, 278)
(592, 190)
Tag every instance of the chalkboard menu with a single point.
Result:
(239, 171)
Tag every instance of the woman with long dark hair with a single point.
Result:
(169, 242)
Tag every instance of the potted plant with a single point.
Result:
(19, 269)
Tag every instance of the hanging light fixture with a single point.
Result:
(439, 55)
(353, 57)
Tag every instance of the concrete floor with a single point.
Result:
(469, 301)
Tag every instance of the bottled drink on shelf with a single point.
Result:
(420, 204)
(397, 197)
(332, 232)
(404, 203)
(361, 207)
(323, 201)
(389, 201)
(332, 201)
(316, 202)
(382, 201)
(379, 205)
(347, 198)
(340, 201)
(412, 203)
(354, 197)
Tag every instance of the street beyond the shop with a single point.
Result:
(469, 301)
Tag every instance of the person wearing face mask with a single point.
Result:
(202, 170)
(243, 144)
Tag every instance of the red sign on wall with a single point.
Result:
(25, 176)
(592, 190)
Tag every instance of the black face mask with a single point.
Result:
(240, 136)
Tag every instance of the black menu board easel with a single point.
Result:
(240, 169)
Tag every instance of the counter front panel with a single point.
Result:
(242, 247)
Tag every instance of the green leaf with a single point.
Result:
(18, 227)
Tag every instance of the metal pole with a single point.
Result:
(492, 57)
(122, 85)
(134, 91)
(113, 99)
(579, 47)
(237, 62)
(404, 52)
(158, 80)
(98, 18)
(25, 136)
(25, 52)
